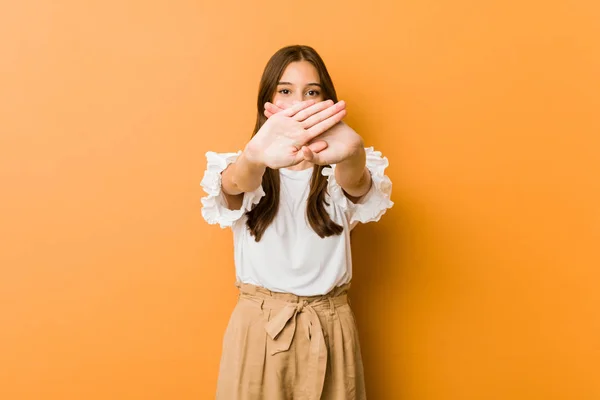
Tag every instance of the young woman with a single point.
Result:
(291, 197)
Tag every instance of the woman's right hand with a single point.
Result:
(279, 142)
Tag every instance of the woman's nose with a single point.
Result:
(297, 97)
(287, 104)
(289, 101)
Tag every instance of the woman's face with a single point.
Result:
(299, 82)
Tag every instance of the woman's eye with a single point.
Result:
(314, 93)
(284, 91)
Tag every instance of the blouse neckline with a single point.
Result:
(294, 174)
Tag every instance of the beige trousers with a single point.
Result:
(279, 346)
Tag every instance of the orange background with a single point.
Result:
(482, 281)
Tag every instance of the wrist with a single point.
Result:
(350, 171)
(252, 155)
(357, 155)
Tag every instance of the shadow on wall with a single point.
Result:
(375, 295)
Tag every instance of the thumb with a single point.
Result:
(299, 156)
(307, 153)
(310, 155)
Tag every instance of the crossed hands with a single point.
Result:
(304, 131)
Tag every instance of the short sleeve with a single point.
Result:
(214, 206)
(375, 202)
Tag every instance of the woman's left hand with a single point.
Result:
(342, 141)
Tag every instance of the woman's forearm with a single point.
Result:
(244, 175)
(352, 174)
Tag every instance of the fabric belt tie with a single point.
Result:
(282, 329)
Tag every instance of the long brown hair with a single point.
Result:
(261, 216)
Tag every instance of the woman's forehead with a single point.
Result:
(300, 72)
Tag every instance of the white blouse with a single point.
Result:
(291, 257)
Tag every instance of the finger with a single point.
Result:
(316, 130)
(318, 107)
(317, 146)
(273, 109)
(268, 114)
(312, 157)
(290, 112)
(323, 115)
(307, 153)
(299, 156)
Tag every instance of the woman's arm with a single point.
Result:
(353, 176)
(242, 176)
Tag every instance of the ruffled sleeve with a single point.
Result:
(214, 206)
(375, 202)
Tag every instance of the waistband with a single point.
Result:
(260, 292)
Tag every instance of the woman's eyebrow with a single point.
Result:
(308, 84)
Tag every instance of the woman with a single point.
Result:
(291, 197)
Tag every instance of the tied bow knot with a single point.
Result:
(282, 327)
